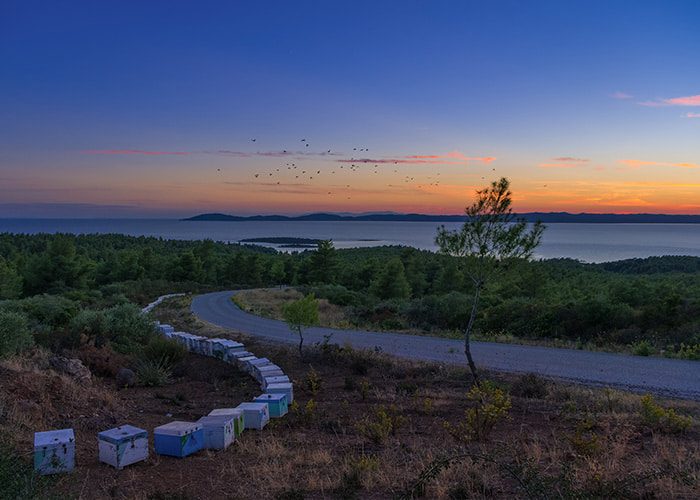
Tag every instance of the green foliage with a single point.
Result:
(164, 350)
(14, 333)
(306, 414)
(383, 422)
(313, 381)
(16, 479)
(642, 348)
(300, 315)
(530, 386)
(391, 283)
(152, 373)
(584, 441)
(492, 405)
(492, 238)
(663, 420)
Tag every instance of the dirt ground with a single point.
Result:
(364, 426)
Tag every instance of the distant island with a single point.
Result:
(546, 217)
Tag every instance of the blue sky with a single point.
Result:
(138, 109)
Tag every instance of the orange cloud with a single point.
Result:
(691, 115)
(635, 164)
(693, 100)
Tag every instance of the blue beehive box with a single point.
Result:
(123, 446)
(54, 451)
(277, 404)
(256, 415)
(236, 414)
(218, 431)
(178, 439)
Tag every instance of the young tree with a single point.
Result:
(300, 315)
(491, 237)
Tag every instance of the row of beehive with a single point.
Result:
(54, 451)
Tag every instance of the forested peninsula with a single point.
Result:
(546, 217)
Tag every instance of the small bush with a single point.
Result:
(642, 348)
(530, 386)
(492, 407)
(663, 420)
(152, 373)
(384, 422)
(14, 333)
(313, 381)
(165, 351)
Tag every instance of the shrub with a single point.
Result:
(313, 381)
(664, 420)
(165, 351)
(492, 407)
(152, 373)
(385, 421)
(530, 386)
(14, 333)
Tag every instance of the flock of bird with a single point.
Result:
(300, 171)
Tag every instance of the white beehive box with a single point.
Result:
(212, 347)
(178, 439)
(218, 431)
(256, 415)
(242, 362)
(277, 379)
(286, 388)
(235, 354)
(249, 367)
(123, 446)
(236, 414)
(54, 451)
(277, 404)
(268, 370)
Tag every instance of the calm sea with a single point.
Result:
(585, 242)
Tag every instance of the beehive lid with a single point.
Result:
(270, 397)
(253, 406)
(121, 434)
(216, 420)
(50, 439)
(232, 412)
(177, 428)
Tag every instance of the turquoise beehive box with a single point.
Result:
(277, 404)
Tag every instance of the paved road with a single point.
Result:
(670, 377)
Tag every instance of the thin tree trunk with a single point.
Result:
(301, 341)
(467, 332)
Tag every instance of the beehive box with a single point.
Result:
(235, 413)
(268, 370)
(249, 367)
(178, 439)
(122, 446)
(277, 404)
(243, 362)
(213, 347)
(256, 415)
(54, 451)
(286, 388)
(275, 379)
(218, 431)
(234, 354)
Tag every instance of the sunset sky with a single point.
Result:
(171, 109)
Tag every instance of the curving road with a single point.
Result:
(671, 377)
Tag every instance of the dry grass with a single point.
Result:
(268, 303)
(567, 441)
